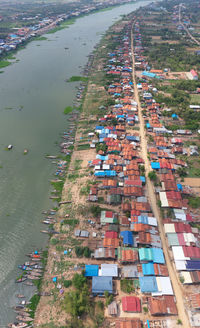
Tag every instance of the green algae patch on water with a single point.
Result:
(76, 78)
(68, 110)
(4, 63)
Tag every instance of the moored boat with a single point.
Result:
(22, 279)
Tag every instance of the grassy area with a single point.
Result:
(40, 38)
(195, 99)
(76, 78)
(83, 147)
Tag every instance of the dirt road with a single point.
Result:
(186, 29)
(152, 198)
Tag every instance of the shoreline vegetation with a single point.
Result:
(78, 79)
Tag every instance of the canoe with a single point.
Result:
(20, 296)
(18, 307)
(20, 280)
(18, 325)
(24, 319)
(28, 283)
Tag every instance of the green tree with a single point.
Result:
(79, 281)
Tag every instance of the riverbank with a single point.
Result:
(17, 42)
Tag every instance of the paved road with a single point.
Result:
(152, 198)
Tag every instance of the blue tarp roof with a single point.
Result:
(148, 284)
(102, 284)
(148, 74)
(158, 256)
(148, 269)
(148, 125)
(106, 173)
(99, 127)
(127, 237)
(91, 270)
(155, 165)
(102, 158)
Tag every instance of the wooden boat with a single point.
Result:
(44, 231)
(22, 279)
(18, 325)
(24, 319)
(51, 156)
(28, 283)
(18, 307)
(33, 277)
(20, 296)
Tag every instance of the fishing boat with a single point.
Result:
(9, 147)
(22, 279)
(25, 151)
(44, 231)
(25, 303)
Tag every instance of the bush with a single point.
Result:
(54, 241)
(82, 251)
(145, 309)
(67, 283)
(194, 202)
(152, 176)
(109, 297)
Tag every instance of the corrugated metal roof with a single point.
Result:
(102, 284)
(131, 304)
(91, 270)
(108, 270)
(148, 269)
(148, 284)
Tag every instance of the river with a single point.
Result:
(33, 95)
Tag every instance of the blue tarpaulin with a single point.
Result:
(155, 165)
(179, 186)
